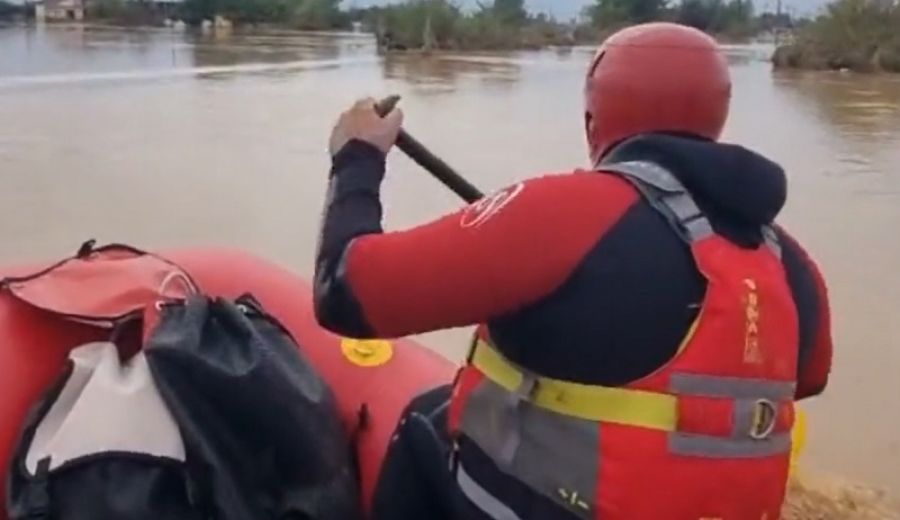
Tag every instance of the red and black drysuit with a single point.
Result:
(575, 277)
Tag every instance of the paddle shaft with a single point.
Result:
(425, 158)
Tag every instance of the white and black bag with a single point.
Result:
(189, 407)
(102, 444)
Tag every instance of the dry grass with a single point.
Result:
(821, 499)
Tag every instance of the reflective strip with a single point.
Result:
(746, 395)
(546, 432)
(682, 205)
(716, 447)
(651, 173)
(482, 499)
(556, 455)
(699, 229)
(731, 387)
(513, 438)
(590, 402)
(666, 193)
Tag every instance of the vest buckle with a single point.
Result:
(765, 415)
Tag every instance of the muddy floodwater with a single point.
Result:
(167, 139)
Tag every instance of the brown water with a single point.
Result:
(161, 139)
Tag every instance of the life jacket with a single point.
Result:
(706, 436)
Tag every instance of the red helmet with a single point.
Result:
(657, 77)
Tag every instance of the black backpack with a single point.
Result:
(219, 417)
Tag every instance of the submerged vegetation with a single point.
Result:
(296, 14)
(732, 18)
(858, 35)
(299, 14)
(506, 23)
(9, 11)
(443, 24)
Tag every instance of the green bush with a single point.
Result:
(860, 35)
(124, 12)
(889, 58)
(107, 9)
(503, 24)
(417, 24)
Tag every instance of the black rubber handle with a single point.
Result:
(428, 160)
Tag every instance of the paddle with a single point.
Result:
(428, 160)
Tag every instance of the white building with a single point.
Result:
(63, 9)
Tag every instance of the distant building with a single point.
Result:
(60, 10)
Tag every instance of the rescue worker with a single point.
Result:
(644, 326)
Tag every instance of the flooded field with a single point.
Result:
(165, 139)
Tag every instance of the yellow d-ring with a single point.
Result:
(367, 353)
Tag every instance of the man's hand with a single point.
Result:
(363, 122)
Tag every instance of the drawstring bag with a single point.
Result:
(260, 422)
(187, 408)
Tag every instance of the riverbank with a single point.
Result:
(823, 499)
(810, 54)
(855, 35)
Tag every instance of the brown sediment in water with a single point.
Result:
(831, 499)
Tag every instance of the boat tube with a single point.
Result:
(373, 381)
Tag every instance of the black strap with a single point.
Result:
(363, 419)
(434, 450)
(37, 493)
(86, 248)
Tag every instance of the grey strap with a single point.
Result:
(667, 195)
(662, 190)
(721, 387)
(555, 454)
(713, 447)
(752, 436)
(771, 239)
(513, 438)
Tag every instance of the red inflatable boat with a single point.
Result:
(382, 376)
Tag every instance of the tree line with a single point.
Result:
(299, 14)
(440, 23)
(735, 18)
(444, 24)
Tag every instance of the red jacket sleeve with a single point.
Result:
(494, 257)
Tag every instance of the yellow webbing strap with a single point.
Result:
(594, 403)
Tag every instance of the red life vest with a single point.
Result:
(705, 437)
